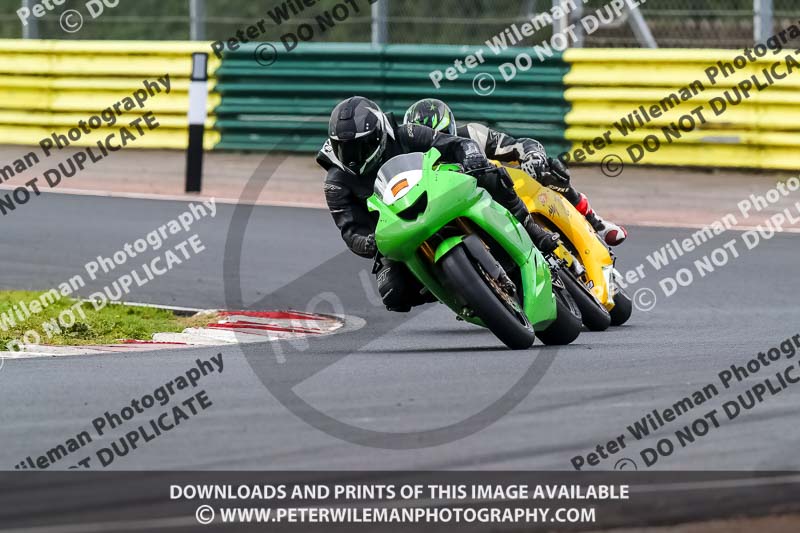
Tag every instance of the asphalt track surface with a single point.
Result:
(397, 374)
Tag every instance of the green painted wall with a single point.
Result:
(287, 103)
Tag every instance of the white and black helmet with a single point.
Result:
(357, 131)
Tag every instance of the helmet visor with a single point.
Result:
(355, 154)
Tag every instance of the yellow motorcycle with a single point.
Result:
(588, 272)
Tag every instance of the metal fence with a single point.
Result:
(671, 23)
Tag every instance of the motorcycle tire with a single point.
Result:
(595, 316)
(567, 325)
(463, 275)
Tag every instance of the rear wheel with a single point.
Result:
(499, 311)
(595, 316)
(567, 325)
(623, 307)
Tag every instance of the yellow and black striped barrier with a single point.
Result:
(48, 87)
(708, 108)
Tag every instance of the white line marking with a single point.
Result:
(196, 338)
(174, 197)
(720, 484)
(102, 527)
(656, 224)
(165, 307)
(315, 205)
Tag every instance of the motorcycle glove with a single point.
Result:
(365, 246)
(475, 161)
(554, 175)
(534, 164)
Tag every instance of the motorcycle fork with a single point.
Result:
(502, 276)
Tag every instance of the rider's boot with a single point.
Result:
(501, 187)
(612, 234)
(545, 241)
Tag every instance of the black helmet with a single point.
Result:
(432, 113)
(357, 131)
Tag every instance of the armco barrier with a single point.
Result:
(763, 131)
(47, 87)
(288, 103)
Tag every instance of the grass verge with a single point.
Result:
(108, 325)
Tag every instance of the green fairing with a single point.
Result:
(452, 195)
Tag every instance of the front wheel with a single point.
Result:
(500, 312)
(595, 316)
(567, 325)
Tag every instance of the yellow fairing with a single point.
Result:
(550, 205)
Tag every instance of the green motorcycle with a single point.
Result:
(470, 252)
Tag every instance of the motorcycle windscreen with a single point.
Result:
(398, 176)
